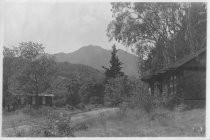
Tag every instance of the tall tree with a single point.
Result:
(115, 69)
(38, 69)
(165, 31)
(73, 86)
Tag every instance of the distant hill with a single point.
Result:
(68, 71)
(83, 72)
(96, 57)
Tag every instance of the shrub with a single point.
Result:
(140, 97)
(73, 99)
(56, 125)
(42, 111)
(60, 102)
(80, 126)
(115, 91)
(123, 109)
(92, 92)
(68, 107)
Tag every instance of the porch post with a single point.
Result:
(180, 86)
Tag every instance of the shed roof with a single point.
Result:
(175, 65)
(19, 93)
(51, 95)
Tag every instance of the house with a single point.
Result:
(45, 99)
(186, 78)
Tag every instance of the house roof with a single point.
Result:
(175, 65)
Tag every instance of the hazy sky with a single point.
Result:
(61, 27)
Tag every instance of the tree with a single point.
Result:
(163, 32)
(8, 73)
(116, 90)
(115, 69)
(38, 69)
(92, 92)
(73, 86)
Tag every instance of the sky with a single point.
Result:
(60, 27)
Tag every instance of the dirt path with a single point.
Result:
(76, 118)
(94, 114)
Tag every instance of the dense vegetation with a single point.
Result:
(161, 33)
(77, 84)
(28, 69)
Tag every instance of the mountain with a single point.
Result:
(96, 57)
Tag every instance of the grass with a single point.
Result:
(18, 118)
(126, 123)
(160, 122)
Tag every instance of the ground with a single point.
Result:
(118, 123)
(159, 123)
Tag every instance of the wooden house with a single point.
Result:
(186, 77)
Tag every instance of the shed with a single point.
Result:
(44, 99)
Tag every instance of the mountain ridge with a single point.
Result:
(96, 57)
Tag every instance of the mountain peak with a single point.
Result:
(92, 47)
(96, 57)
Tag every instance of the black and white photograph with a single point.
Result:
(104, 69)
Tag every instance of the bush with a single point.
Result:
(68, 107)
(60, 102)
(140, 97)
(115, 91)
(123, 109)
(56, 125)
(92, 92)
(81, 106)
(34, 112)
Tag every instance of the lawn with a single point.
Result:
(23, 117)
(127, 123)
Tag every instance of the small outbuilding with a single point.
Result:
(186, 78)
(43, 99)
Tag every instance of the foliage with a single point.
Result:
(92, 93)
(115, 69)
(85, 73)
(39, 69)
(73, 88)
(60, 127)
(55, 125)
(28, 69)
(139, 97)
(116, 90)
(161, 32)
(78, 84)
(8, 71)
(37, 112)
(59, 101)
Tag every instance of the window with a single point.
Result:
(43, 100)
(33, 100)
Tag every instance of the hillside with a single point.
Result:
(97, 57)
(68, 72)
